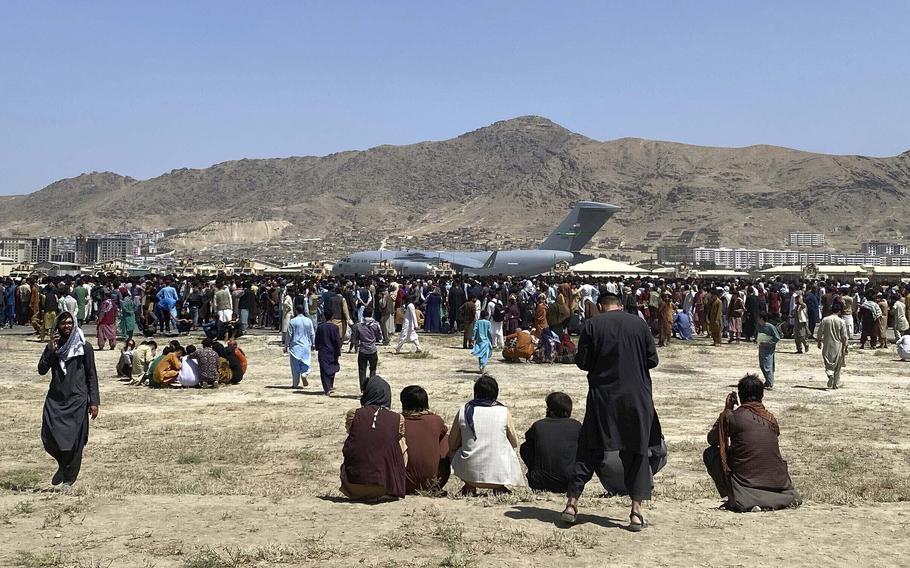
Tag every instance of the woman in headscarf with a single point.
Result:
(513, 317)
(558, 314)
(483, 341)
(375, 451)
(107, 320)
(71, 398)
(433, 312)
(482, 442)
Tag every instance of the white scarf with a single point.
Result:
(74, 347)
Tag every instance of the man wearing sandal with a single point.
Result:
(617, 350)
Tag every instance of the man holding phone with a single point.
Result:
(744, 457)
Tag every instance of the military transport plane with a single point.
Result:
(563, 245)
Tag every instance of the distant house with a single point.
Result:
(54, 268)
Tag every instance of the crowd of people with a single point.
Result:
(619, 324)
(389, 454)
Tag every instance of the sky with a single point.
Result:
(141, 88)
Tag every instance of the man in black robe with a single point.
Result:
(617, 350)
(457, 297)
(71, 398)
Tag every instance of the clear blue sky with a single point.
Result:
(141, 88)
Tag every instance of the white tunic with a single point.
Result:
(490, 458)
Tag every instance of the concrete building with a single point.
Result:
(17, 248)
(806, 239)
(877, 248)
(99, 249)
(740, 259)
(54, 249)
(675, 254)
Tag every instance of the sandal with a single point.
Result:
(569, 518)
(637, 527)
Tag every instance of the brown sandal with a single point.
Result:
(637, 527)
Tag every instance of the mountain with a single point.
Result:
(516, 176)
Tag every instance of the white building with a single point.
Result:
(806, 239)
(739, 259)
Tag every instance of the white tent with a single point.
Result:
(721, 273)
(606, 266)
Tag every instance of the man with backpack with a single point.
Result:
(497, 316)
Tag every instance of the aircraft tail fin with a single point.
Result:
(490, 261)
(576, 230)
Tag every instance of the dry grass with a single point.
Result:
(256, 469)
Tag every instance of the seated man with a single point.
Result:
(550, 449)
(142, 358)
(184, 322)
(427, 438)
(232, 327)
(550, 446)
(744, 457)
(482, 442)
(567, 350)
(189, 369)
(375, 452)
(547, 347)
(235, 357)
(167, 368)
(210, 328)
(209, 362)
(903, 346)
(682, 325)
(518, 346)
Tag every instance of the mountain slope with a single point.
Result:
(517, 176)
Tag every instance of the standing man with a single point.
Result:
(466, 317)
(812, 304)
(714, 312)
(409, 325)
(847, 314)
(899, 311)
(224, 308)
(801, 325)
(365, 335)
(301, 337)
(10, 303)
(386, 314)
(328, 349)
(72, 398)
(665, 320)
(832, 340)
(167, 304)
(617, 350)
(24, 302)
(883, 321)
(767, 338)
(80, 292)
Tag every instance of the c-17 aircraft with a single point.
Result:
(563, 245)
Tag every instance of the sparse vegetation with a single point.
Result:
(424, 354)
(261, 465)
(23, 479)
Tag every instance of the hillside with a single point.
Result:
(516, 176)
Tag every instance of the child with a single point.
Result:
(125, 364)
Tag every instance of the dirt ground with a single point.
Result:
(248, 475)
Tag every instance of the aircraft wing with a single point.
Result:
(461, 259)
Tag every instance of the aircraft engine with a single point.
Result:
(412, 267)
